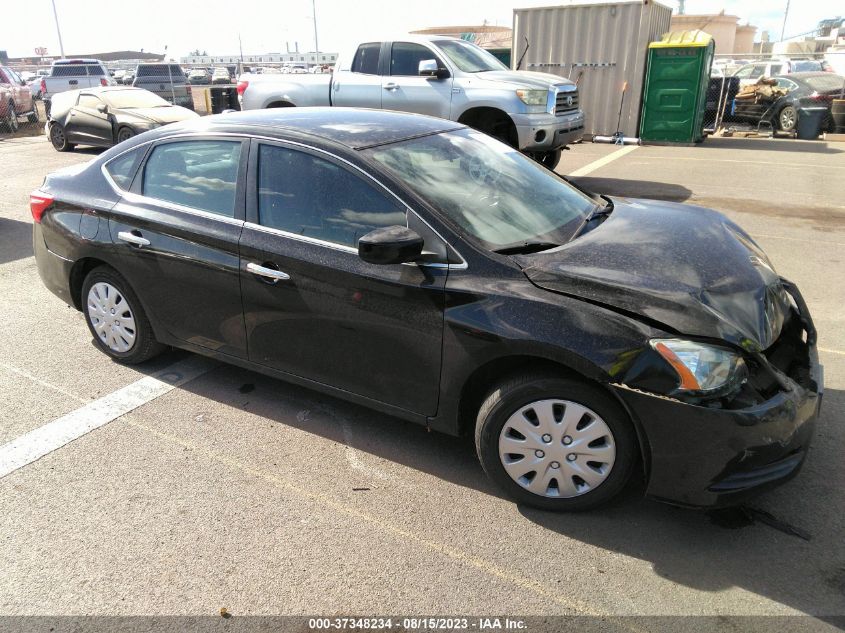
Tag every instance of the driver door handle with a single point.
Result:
(390, 86)
(137, 240)
(269, 273)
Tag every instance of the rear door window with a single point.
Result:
(306, 195)
(366, 58)
(201, 175)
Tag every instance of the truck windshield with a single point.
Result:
(469, 57)
(491, 191)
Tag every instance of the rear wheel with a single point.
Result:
(10, 121)
(58, 138)
(116, 319)
(787, 119)
(555, 443)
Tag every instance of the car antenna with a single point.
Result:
(527, 46)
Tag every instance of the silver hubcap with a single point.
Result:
(787, 118)
(577, 459)
(112, 317)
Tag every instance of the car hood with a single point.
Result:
(163, 115)
(523, 78)
(686, 268)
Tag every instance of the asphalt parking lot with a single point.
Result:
(239, 491)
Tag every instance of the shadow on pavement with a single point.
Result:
(702, 550)
(15, 240)
(634, 188)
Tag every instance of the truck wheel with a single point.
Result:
(549, 160)
(59, 139)
(555, 443)
(10, 124)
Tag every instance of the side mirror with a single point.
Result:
(103, 108)
(429, 68)
(390, 245)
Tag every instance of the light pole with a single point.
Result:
(785, 14)
(314, 11)
(58, 30)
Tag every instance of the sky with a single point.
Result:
(91, 26)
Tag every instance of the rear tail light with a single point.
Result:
(817, 97)
(39, 202)
(103, 81)
(43, 87)
(242, 86)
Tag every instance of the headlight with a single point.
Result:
(700, 367)
(533, 97)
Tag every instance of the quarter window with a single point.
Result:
(122, 168)
(198, 174)
(405, 58)
(306, 195)
(366, 59)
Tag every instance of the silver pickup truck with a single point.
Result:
(70, 74)
(439, 76)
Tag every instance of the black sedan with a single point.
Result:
(424, 269)
(105, 116)
(803, 90)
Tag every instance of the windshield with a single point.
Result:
(133, 99)
(469, 57)
(490, 190)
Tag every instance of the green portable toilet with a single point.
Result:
(675, 91)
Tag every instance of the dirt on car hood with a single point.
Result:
(686, 268)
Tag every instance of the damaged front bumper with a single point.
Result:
(703, 456)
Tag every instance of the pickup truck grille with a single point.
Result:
(566, 102)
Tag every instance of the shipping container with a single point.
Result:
(601, 46)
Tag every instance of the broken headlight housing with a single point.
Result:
(702, 369)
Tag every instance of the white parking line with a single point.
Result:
(45, 439)
(601, 162)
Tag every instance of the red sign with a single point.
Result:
(41, 51)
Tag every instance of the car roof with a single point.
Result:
(356, 128)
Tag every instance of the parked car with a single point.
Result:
(750, 73)
(453, 79)
(427, 270)
(71, 74)
(168, 81)
(811, 90)
(199, 76)
(15, 100)
(221, 76)
(128, 78)
(106, 116)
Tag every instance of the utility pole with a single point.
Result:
(59, 31)
(241, 47)
(314, 11)
(785, 14)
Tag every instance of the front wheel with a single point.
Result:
(58, 138)
(549, 160)
(116, 319)
(124, 134)
(555, 443)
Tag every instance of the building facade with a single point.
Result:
(293, 58)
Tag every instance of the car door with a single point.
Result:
(176, 232)
(403, 89)
(360, 85)
(20, 91)
(86, 124)
(312, 307)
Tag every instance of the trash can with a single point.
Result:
(810, 123)
(837, 111)
(675, 91)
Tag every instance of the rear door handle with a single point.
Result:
(391, 86)
(137, 240)
(268, 273)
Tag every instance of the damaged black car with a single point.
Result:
(424, 269)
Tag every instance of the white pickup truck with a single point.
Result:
(440, 76)
(70, 74)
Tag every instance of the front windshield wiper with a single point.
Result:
(526, 248)
(600, 212)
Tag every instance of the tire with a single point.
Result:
(59, 139)
(588, 416)
(787, 118)
(121, 331)
(549, 160)
(125, 133)
(10, 122)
